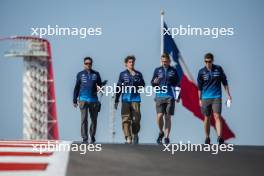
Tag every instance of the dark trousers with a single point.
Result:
(92, 107)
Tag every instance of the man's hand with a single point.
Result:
(116, 105)
(98, 88)
(200, 103)
(229, 97)
(228, 93)
(156, 80)
(75, 105)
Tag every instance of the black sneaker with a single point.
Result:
(220, 140)
(159, 140)
(85, 141)
(135, 139)
(207, 141)
(166, 140)
(93, 140)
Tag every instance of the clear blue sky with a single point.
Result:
(133, 27)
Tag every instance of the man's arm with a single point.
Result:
(76, 90)
(225, 84)
(141, 81)
(99, 80)
(199, 96)
(155, 79)
(200, 87)
(177, 84)
(118, 93)
(228, 92)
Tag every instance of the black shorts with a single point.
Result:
(211, 105)
(165, 105)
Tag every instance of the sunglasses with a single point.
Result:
(87, 63)
(208, 62)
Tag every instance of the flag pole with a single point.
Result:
(161, 32)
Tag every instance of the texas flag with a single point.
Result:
(189, 89)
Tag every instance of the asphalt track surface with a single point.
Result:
(150, 160)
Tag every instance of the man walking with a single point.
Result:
(165, 77)
(128, 84)
(209, 82)
(85, 93)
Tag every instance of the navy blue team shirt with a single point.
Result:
(168, 78)
(126, 80)
(209, 82)
(86, 86)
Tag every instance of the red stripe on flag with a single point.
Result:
(22, 166)
(25, 154)
(190, 100)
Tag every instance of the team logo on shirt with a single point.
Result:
(171, 73)
(205, 77)
(136, 77)
(83, 78)
(94, 77)
(126, 78)
(216, 73)
(160, 73)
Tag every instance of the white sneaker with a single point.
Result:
(128, 140)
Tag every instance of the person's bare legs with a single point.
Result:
(218, 124)
(207, 129)
(160, 122)
(167, 125)
(207, 126)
